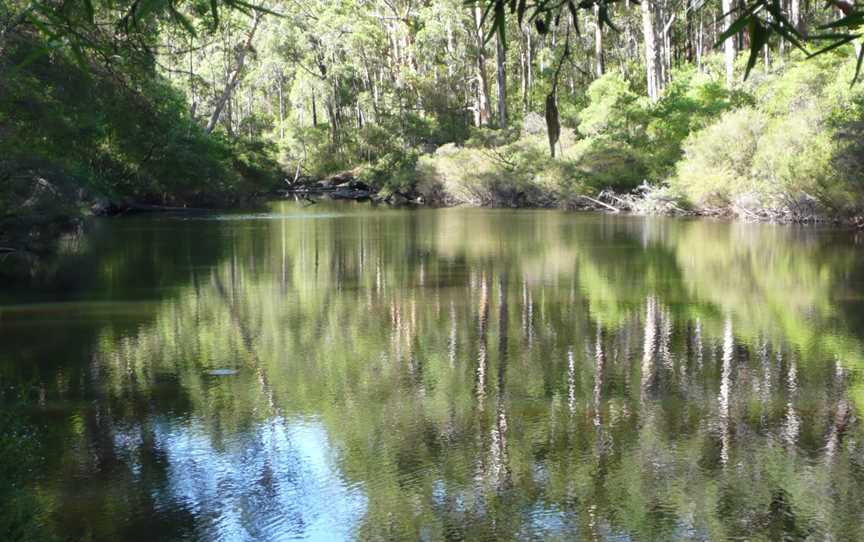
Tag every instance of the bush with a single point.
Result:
(613, 110)
(393, 172)
(797, 152)
(605, 163)
(499, 176)
(692, 101)
(717, 160)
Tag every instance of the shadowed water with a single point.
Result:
(342, 372)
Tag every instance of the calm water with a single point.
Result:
(437, 374)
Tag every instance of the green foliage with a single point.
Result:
(606, 163)
(393, 172)
(613, 110)
(73, 136)
(797, 151)
(716, 164)
(488, 138)
(688, 104)
(497, 176)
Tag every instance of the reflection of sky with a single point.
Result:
(277, 481)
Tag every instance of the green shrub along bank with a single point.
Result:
(785, 145)
(118, 133)
(797, 152)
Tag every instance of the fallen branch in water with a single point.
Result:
(624, 203)
(598, 202)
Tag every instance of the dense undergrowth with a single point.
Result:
(114, 132)
(787, 144)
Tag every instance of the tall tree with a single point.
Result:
(483, 110)
(500, 60)
(729, 49)
(235, 75)
(599, 61)
(653, 58)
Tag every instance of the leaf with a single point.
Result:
(780, 29)
(758, 38)
(486, 13)
(498, 25)
(839, 43)
(780, 22)
(182, 20)
(214, 9)
(858, 65)
(854, 19)
(43, 28)
(737, 26)
(553, 126)
(501, 24)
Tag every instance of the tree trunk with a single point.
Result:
(600, 64)
(729, 51)
(529, 66)
(484, 109)
(314, 111)
(235, 76)
(795, 13)
(500, 60)
(523, 72)
(281, 109)
(653, 60)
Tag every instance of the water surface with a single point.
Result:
(343, 372)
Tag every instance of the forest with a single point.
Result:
(465, 357)
(750, 109)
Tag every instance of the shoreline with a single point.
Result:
(23, 234)
(607, 202)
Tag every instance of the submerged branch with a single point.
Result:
(600, 203)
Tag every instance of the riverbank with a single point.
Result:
(785, 146)
(645, 201)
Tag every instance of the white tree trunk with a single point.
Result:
(729, 51)
(235, 76)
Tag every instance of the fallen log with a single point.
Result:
(356, 195)
(598, 202)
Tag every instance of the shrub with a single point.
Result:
(717, 160)
(606, 163)
(692, 101)
(613, 110)
(798, 151)
(393, 172)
